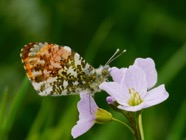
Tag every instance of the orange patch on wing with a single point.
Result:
(28, 68)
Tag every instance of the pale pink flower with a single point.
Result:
(89, 114)
(87, 109)
(130, 86)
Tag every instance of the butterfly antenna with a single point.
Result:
(115, 56)
(112, 57)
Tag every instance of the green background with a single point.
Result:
(94, 29)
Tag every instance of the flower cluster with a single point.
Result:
(130, 91)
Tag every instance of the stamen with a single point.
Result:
(135, 98)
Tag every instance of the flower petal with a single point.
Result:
(148, 66)
(86, 106)
(81, 127)
(115, 90)
(155, 96)
(135, 79)
(117, 74)
(131, 108)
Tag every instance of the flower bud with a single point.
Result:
(110, 100)
(102, 116)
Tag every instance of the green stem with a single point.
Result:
(141, 127)
(123, 123)
(136, 124)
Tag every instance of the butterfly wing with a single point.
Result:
(56, 70)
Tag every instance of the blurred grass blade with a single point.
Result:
(173, 66)
(63, 130)
(99, 37)
(3, 103)
(41, 119)
(178, 129)
(14, 106)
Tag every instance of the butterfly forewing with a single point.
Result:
(58, 70)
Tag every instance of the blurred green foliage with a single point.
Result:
(94, 29)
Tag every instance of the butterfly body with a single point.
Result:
(58, 70)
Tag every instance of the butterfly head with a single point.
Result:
(103, 72)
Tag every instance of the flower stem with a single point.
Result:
(141, 127)
(136, 124)
(138, 128)
(123, 123)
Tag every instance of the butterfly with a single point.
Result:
(58, 70)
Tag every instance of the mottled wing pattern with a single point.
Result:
(58, 70)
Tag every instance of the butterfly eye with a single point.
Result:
(105, 72)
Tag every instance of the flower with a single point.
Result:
(87, 108)
(89, 114)
(130, 86)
